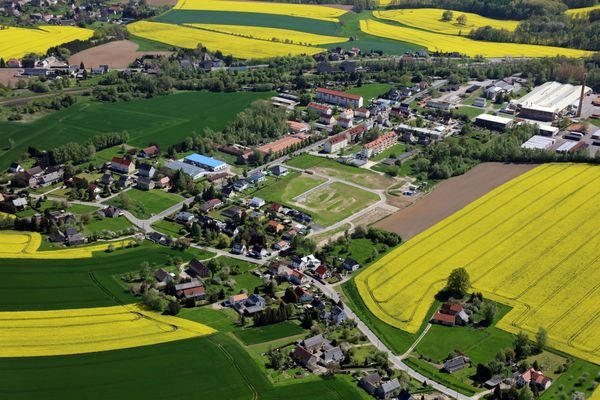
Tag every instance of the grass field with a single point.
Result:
(238, 46)
(16, 42)
(146, 204)
(283, 190)
(87, 330)
(470, 112)
(168, 227)
(371, 90)
(272, 34)
(363, 177)
(518, 243)
(395, 151)
(108, 224)
(268, 333)
(165, 120)
(214, 366)
(431, 19)
(293, 10)
(334, 202)
(448, 43)
(75, 283)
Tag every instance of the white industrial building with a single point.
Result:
(550, 100)
(493, 121)
(538, 142)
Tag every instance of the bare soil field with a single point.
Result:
(449, 197)
(118, 54)
(7, 76)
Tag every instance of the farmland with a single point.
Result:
(215, 366)
(294, 10)
(16, 42)
(581, 12)
(75, 283)
(271, 34)
(431, 19)
(86, 330)
(448, 43)
(518, 243)
(26, 245)
(165, 120)
(238, 46)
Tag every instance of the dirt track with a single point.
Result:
(118, 54)
(449, 197)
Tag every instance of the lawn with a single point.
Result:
(76, 283)
(268, 333)
(360, 250)
(393, 151)
(363, 177)
(215, 367)
(146, 204)
(285, 189)
(580, 377)
(224, 320)
(469, 111)
(457, 381)
(162, 120)
(108, 224)
(334, 202)
(168, 227)
(481, 345)
(51, 205)
(371, 90)
(246, 280)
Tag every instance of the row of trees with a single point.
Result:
(82, 152)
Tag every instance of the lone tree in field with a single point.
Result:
(541, 340)
(459, 281)
(447, 16)
(462, 20)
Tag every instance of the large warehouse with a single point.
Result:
(550, 100)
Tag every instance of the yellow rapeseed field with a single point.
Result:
(294, 10)
(4, 215)
(447, 43)
(582, 12)
(531, 243)
(26, 245)
(239, 47)
(273, 34)
(59, 332)
(431, 19)
(16, 42)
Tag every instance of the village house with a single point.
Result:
(451, 315)
(257, 202)
(197, 269)
(370, 382)
(184, 217)
(305, 358)
(235, 299)
(296, 277)
(190, 290)
(303, 295)
(163, 276)
(320, 109)
(73, 237)
(122, 166)
(149, 152)
(274, 226)
(257, 177)
(253, 304)
(238, 248)
(146, 170)
(281, 245)
(279, 170)
(145, 184)
(258, 252)
(456, 364)
(321, 272)
(233, 212)
(211, 205)
(534, 378)
(240, 185)
(163, 183)
(336, 143)
(346, 118)
(378, 145)
(350, 265)
(388, 389)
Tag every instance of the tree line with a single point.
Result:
(81, 152)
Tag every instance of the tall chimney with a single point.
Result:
(580, 108)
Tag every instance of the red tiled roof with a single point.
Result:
(298, 126)
(447, 318)
(150, 150)
(318, 106)
(195, 291)
(453, 308)
(340, 137)
(381, 139)
(121, 161)
(321, 270)
(338, 94)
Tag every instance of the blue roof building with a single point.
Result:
(205, 162)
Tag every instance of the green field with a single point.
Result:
(333, 168)
(146, 204)
(165, 120)
(480, 344)
(394, 151)
(109, 224)
(213, 367)
(77, 283)
(268, 333)
(168, 227)
(283, 190)
(336, 201)
(371, 90)
(470, 112)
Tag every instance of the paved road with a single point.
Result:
(397, 361)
